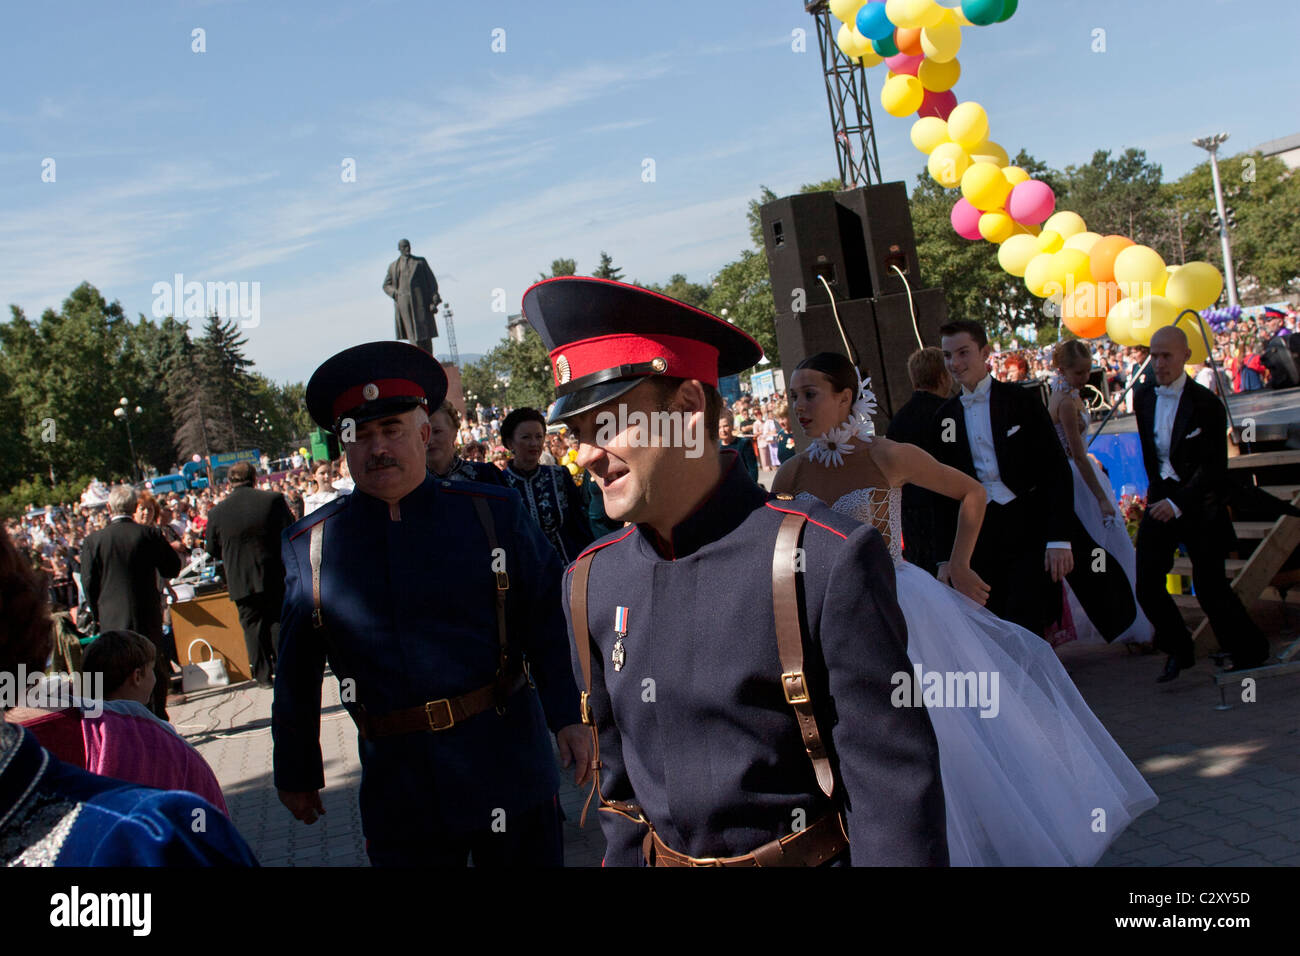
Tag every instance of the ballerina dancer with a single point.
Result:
(1094, 498)
(1030, 777)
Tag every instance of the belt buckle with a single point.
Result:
(705, 861)
(429, 711)
(799, 696)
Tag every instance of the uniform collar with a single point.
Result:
(732, 501)
(359, 498)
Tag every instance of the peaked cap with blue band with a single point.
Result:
(606, 337)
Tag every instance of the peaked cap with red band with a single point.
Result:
(372, 381)
(605, 337)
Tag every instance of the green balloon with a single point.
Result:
(983, 12)
(1010, 8)
(885, 47)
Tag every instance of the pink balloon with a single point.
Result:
(904, 64)
(1031, 202)
(938, 104)
(966, 220)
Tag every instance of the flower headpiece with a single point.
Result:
(830, 449)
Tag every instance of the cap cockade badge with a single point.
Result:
(562, 371)
(370, 392)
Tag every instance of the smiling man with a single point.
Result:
(693, 627)
(436, 605)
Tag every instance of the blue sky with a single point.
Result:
(225, 165)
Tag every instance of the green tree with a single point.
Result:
(1264, 196)
(1120, 196)
(742, 294)
(561, 267)
(679, 288)
(607, 269)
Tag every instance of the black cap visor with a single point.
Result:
(593, 396)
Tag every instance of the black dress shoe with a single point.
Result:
(1245, 665)
(1172, 667)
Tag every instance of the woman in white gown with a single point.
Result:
(1032, 780)
(1094, 498)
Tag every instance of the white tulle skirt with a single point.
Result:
(1112, 536)
(1037, 782)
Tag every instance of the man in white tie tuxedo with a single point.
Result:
(1031, 538)
(1183, 429)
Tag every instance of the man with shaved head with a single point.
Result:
(1183, 429)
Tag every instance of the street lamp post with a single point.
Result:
(122, 413)
(1211, 145)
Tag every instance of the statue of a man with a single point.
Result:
(414, 291)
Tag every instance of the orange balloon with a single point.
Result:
(909, 41)
(1102, 256)
(1084, 312)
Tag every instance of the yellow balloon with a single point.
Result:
(1140, 272)
(939, 77)
(852, 43)
(1083, 241)
(1194, 340)
(1197, 286)
(1049, 240)
(1014, 253)
(941, 42)
(1069, 268)
(1015, 175)
(927, 13)
(896, 10)
(1037, 274)
(968, 125)
(997, 226)
(1067, 224)
(929, 132)
(948, 163)
(990, 152)
(985, 187)
(846, 10)
(902, 95)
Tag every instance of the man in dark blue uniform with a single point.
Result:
(436, 603)
(736, 650)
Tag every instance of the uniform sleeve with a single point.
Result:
(538, 619)
(888, 756)
(299, 671)
(622, 836)
(138, 826)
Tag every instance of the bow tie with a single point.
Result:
(974, 398)
(1168, 391)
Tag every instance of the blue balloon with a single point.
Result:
(873, 23)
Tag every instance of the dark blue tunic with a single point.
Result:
(695, 727)
(409, 617)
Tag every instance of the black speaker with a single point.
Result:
(882, 335)
(854, 239)
(884, 219)
(803, 236)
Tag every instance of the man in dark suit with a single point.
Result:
(913, 424)
(244, 532)
(119, 572)
(1183, 427)
(1031, 539)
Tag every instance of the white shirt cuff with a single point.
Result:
(1064, 545)
(1178, 512)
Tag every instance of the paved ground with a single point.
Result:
(1228, 781)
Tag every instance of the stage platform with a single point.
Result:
(1275, 416)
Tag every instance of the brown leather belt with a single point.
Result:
(811, 846)
(438, 715)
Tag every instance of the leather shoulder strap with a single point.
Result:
(581, 631)
(786, 564)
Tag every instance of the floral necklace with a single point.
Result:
(829, 449)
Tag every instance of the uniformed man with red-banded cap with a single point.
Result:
(437, 605)
(735, 650)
